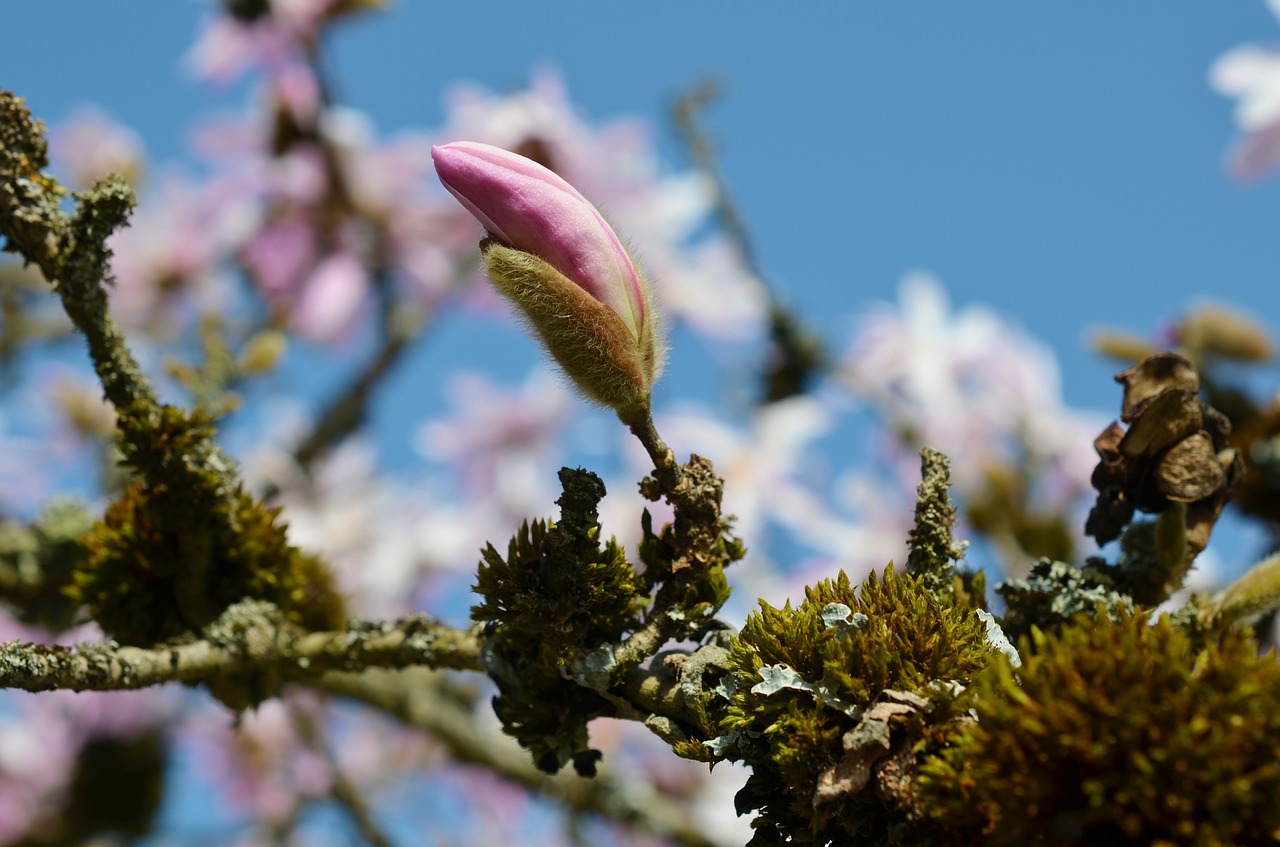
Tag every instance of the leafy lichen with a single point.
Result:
(1054, 592)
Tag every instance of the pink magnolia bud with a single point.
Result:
(554, 255)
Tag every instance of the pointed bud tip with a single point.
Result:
(600, 328)
(531, 208)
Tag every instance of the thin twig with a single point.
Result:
(347, 412)
(415, 696)
(685, 115)
(342, 791)
(695, 492)
(796, 354)
(71, 252)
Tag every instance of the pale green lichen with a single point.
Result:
(934, 549)
(1054, 592)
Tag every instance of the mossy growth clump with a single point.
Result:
(1115, 732)
(690, 595)
(37, 563)
(557, 596)
(116, 789)
(184, 541)
(806, 684)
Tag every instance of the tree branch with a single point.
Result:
(797, 353)
(249, 636)
(415, 697)
(695, 492)
(346, 412)
(70, 252)
(343, 792)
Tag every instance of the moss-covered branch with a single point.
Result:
(933, 547)
(185, 540)
(698, 545)
(248, 639)
(569, 617)
(70, 251)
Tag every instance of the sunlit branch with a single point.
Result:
(248, 636)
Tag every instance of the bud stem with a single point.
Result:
(664, 460)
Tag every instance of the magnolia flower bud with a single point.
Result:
(553, 255)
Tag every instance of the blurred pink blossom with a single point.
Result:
(421, 238)
(384, 538)
(334, 214)
(297, 178)
(1252, 74)
(37, 755)
(383, 177)
(280, 256)
(90, 145)
(170, 256)
(277, 43)
(328, 307)
(259, 758)
(763, 464)
(498, 441)
(860, 527)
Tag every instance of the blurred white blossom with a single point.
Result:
(972, 385)
(1251, 73)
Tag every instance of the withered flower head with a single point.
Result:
(1175, 450)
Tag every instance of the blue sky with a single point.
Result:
(1059, 162)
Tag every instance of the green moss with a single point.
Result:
(558, 587)
(830, 658)
(184, 541)
(37, 561)
(117, 788)
(556, 595)
(1115, 732)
